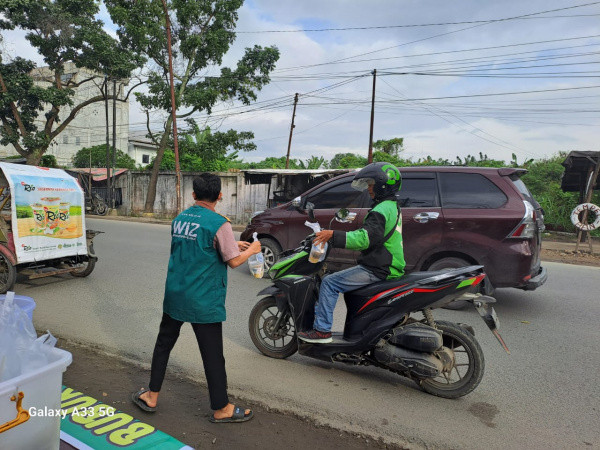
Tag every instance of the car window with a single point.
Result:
(418, 192)
(339, 196)
(469, 190)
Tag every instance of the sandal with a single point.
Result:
(135, 398)
(239, 415)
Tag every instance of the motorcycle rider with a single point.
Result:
(379, 241)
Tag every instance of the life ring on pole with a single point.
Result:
(586, 226)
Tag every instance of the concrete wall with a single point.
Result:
(240, 200)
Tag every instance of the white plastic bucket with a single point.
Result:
(27, 304)
(41, 392)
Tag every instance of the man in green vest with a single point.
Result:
(202, 246)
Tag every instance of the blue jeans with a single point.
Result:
(332, 286)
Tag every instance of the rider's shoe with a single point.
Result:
(315, 336)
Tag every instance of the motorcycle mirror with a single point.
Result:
(310, 208)
(344, 216)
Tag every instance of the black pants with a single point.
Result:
(210, 341)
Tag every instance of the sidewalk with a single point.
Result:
(153, 220)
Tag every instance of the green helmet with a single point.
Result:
(384, 177)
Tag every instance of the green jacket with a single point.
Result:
(197, 276)
(385, 258)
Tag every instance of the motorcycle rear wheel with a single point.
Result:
(274, 343)
(468, 368)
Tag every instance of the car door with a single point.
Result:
(422, 218)
(328, 199)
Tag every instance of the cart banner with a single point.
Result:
(87, 423)
(47, 213)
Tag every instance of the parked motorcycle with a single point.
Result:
(381, 329)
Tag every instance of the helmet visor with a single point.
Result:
(362, 183)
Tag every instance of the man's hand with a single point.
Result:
(254, 248)
(251, 249)
(323, 237)
(243, 245)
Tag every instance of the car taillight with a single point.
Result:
(528, 226)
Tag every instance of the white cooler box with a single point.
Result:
(42, 390)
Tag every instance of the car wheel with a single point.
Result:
(451, 263)
(270, 250)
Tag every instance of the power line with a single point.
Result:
(315, 30)
(438, 53)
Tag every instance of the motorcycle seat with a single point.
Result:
(381, 286)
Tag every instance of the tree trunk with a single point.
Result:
(35, 157)
(151, 196)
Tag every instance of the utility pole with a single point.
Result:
(114, 142)
(107, 142)
(173, 109)
(287, 158)
(370, 159)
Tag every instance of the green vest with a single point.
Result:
(197, 277)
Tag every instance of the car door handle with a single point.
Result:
(425, 217)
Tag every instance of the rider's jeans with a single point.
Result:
(332, 286)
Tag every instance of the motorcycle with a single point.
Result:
(381, 329)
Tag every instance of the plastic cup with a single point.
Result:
(64, 213)
(39, 215)
(52, 209)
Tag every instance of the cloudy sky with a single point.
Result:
(453, 78)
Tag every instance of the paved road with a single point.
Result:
(544, 395)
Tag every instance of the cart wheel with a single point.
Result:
(8, 274)
(86, 267)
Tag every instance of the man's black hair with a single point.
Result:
(207, 187)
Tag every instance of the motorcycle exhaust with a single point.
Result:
(421, 365)
(418, 337)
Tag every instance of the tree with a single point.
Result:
(97, 154)
(345, 161)
(205, 151)
(32, 113)
(392, 147)
(314, 162)
(203, 31)
(271, 163)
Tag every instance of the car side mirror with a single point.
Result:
(297, 202)
(310, 208)
(344, 216)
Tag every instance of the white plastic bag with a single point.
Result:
(21, 351)
(317, 252)
(256, 262)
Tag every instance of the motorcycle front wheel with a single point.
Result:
(275, 342)
(466, 372)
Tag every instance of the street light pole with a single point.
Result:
(173, 109)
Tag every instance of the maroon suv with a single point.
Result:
(451, 217)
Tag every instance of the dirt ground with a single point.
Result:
(571, 257)
(184, 409)
(560, 247)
